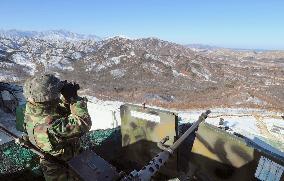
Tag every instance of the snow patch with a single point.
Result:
(8, 77)
(108, 63)
(114, 60)
(132, 53)
(22, 59)
(204, 73)
(151, 56)
(275, 127)
(152, 67)
(91, 66)
(104, 114)
(100, 67)
(60, 63)
(6, 65)
(117, 73)
(176, 74)
(244, 122)
(256, 100)
(76, 55)
(117, 37)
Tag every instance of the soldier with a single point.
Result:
(53, 123)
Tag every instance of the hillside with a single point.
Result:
(149, 70)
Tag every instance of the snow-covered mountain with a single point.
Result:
(53, 35)
(148, 70)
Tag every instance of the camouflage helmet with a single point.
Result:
(43, 88)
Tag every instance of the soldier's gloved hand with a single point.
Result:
(69, 91)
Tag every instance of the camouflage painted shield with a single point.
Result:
(139, 123)
(218, 155)
(142, 128)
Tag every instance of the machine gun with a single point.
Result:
(160, 159)
(90, 167)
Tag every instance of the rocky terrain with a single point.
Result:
(148, 70)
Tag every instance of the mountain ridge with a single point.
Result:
(47, 35)
(151, 70)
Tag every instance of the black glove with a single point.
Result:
(69, 90)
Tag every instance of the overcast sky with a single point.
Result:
(255, 24)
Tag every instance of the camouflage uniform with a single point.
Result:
(55, 127)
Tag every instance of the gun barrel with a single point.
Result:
(201, 118)
(159, 160)
(154, 166)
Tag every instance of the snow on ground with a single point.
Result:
(132, 53)
(21, 59)
(76, 55)
(7, 77)
(152, 67)
(114, 60)
(260, 126)
(105, 64)
(117, 73)
(176, 74)
(264, 128)
(118, 36)
(60, 63)
(104, 114)
(151, 56)
(201, 73)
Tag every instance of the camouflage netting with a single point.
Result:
(96, 138)
(17, 163)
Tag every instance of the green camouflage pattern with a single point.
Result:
(20, 117)
(18, 163)
(218, 155)
(142, 128)
(139, 123)
(230, 150)
(42, 88)
(55, 129)
(55, 172)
